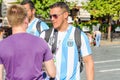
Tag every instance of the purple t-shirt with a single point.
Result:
(22, 55)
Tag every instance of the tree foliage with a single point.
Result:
(104, 8)
(42, 7)
(101, 8)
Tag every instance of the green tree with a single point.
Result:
(0, 1)
(104, 8)
(101, 8)
(42, 7)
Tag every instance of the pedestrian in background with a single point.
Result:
(91, 39)
(97, 34)
(22, 54)
(97, 38)
(66, 52)
(32, 27)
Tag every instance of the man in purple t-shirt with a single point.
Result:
(22, 54)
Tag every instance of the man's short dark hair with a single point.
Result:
(28, 2)
(62, 5)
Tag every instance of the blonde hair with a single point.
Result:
(16, 15)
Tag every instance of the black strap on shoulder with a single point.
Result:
(47, 34)
(38, 26)
(78, 43)
(54, 45)
(78, 38)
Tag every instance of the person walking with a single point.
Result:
(97, 34)
(97, 38)
(19, 56)
(66, 52)
(33, 27)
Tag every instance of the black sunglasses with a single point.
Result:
(55, 16)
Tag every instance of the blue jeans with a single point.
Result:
(97, 39)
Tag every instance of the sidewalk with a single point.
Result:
(106, 42)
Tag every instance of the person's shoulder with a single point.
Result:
(5, 41)
(36, 38)
(41, 21)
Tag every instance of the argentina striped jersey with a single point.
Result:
(66, 57)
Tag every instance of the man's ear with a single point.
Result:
(66, 14)
(26, 21)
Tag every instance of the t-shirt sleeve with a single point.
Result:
(0, 61)
(48, 54)
(0, 56)
(85, 46)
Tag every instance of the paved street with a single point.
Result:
(107, 62)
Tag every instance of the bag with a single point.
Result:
(77, 36)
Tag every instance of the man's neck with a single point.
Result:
(32, 19)
(18, 29)
(63, 27)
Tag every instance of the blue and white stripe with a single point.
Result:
(32, 27)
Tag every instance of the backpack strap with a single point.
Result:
(47, 34)
(54, 45)
(77, 36)
(38, 26)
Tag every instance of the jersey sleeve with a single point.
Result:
(85, 45)
(44, 26)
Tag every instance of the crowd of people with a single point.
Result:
(25, 54)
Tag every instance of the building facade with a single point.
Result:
(82, 14)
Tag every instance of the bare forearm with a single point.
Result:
(50, 68)
(1, 72)
(90, 71)
(89, 66)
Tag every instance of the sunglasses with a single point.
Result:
(55, 16)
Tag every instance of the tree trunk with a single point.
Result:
(109, 33)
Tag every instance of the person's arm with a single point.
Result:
(50, 68)
(89, 67)
(1, 72)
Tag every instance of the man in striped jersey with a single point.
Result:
(32, 29)
(66, 52)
